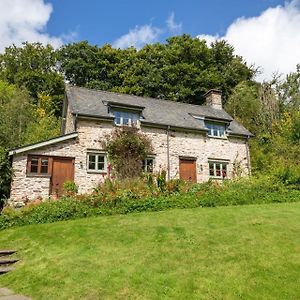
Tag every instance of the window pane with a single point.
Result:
(101, 162)
(44, 165)
(100, 166)
(92, 158)
(149, 165)
(118, 121)
(215, 129)
(218, 170)
(92, 162)
(224, 170)
(211, 169)
(117, 117)
(221, 131)
(34, 165)
(101, 158)
(125, 118)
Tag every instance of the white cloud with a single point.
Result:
(147, 34)
(209, 38)
(270, 40)
(172, 25)
(138, 37)
(25, 20)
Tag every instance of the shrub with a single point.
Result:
(127, 148)
(289, 175)
(70, 188)
(122, 197)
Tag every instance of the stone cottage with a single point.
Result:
(190, 142)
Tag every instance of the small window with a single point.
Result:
(218, 169)
(148, 165)
(126, 118)
(215, 129)
(96, 162)
(37, 165)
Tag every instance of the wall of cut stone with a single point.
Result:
(90, 137)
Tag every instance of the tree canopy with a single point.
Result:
(34, 67)
(182, 69)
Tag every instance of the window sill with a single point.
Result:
(96, 172)
(122, 125)
(38, 175)
(218, 178)
(218, 137)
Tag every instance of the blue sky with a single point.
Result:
(102, 22)
(264, 32)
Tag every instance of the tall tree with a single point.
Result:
(182, 69)
(289, 91)
(34, 67)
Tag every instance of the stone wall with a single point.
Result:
(90, 137)
(199, 146)
(69, 125)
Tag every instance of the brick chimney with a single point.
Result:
(214, 99)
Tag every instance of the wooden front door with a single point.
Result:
(62, 171)
(187, 170)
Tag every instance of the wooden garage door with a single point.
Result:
(62, 171)
(187, 169)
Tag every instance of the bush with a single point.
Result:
(127, 196)
(127, 147)
(289, 175)
(70, 188)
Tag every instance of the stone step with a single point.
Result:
(8, 261)
(7, 252)
(5, 270)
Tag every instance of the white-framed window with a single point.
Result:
(215, 129)
(124, 118)
(96, 162)
(218, 169)
(148, 164)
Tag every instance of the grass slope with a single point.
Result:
(242, 252)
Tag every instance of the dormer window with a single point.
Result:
(215, 129)
(125, 118)
(125, 114)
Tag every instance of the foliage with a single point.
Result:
(243, 104)
(127, 148)
(161, 180)
(16, 113)
(70, 188)
(271, 111)
(288, 91)
(127, 196)
(5, 176)
(34, 66)
(44, 124)
(22, 123)
(182, 69)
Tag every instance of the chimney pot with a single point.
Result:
(214, 99)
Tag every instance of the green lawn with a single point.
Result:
(241, 252)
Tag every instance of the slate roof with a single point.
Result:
(94, 103)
